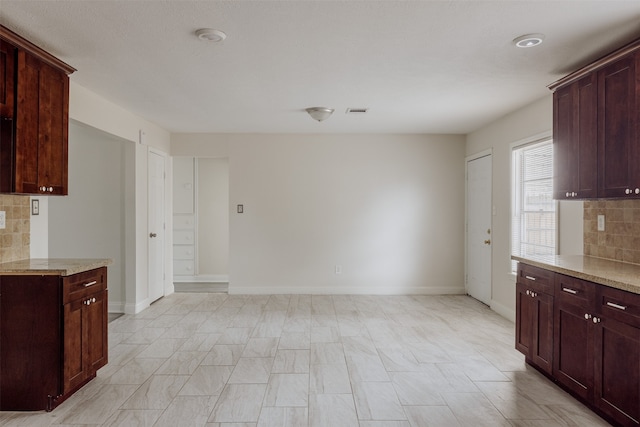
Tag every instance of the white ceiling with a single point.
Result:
(419, 66)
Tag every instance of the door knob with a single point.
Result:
(153, 235)
(487, 242)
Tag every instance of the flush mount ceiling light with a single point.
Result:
(319, 113)
(210, 35)
(528, 40)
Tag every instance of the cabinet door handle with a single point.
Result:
(618, 306)
(530, 278)
(86, 285)
(571, 291)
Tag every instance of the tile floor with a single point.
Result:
(196, 359)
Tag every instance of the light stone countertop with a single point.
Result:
(51, 266)
(615, 274)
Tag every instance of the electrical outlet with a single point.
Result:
(3, 219)
(338, 269)
(600, 222)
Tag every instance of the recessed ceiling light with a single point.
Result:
(528, 40)
(211, 35)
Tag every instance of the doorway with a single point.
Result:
(479, 229)
(156, 213)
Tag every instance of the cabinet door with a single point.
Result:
(575, 140)
(619, 156)
(617, 375)
(95, 331)
(7, 79)
(542, 350)
(525, 310)
(85, 338)
(42, 129)
(75, 371)
(573, 349)
(534, 326)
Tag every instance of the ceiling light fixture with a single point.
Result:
(528, 40)
(319, 113)
(210, 35)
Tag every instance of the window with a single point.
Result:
(533, 224)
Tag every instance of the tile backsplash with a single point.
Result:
(620, 239)
(15, 238)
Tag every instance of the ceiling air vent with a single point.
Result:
(356, 110)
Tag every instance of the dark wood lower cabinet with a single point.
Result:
(53, 337)
(617, 371)
(573, 334)
(534, 334)
(595, 342)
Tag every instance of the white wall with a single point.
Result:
(90, 221)
(213, 216)
(534, 119)
(389, 209)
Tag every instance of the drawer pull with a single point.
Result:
(86, 285)
(569, 290)
(618, 306)
(530, 278)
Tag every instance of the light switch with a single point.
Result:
(3, 219)
(600, 222)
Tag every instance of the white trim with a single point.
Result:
(483, 153)
(540, 137)
(116, 307)
(344, 290)
(503, 310)
(202, 278)
(130, 308)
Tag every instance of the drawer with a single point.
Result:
(183, 252)
(619, 305)
(575, 291)
(536, 278)
(183, 268)
(183, 237)
(183, 222)
(81, 285)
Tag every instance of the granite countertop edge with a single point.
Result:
(52, 266)
(611, 273)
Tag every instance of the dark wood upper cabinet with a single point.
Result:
(34, 143)
(596, 116)
(7, 79)
(618, 171)
(575, 140)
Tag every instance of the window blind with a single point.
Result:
(533, 227)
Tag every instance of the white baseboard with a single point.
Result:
(116, 307)
(343, 290)
(503, 310)
(202, 278)
(132, 308)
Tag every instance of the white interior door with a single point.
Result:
(156, 225)
(479, 229)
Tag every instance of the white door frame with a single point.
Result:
(163, 257)
(484, 153)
